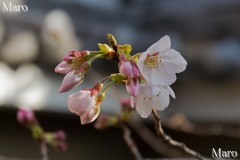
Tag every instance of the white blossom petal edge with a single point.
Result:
(159, 64)
(151, 96)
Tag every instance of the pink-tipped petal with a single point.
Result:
(90, 116)
(132, 87)
(81, 102)
(126, 69)
(71, 80)
(136, 73)
(123, 58)
(63, 68)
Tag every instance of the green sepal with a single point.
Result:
(136, 56)
(126, 49)
(112, 40)
(105, 48)
(117, 78)
(37, 132)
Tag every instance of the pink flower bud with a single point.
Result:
(63, 68)
(62, 146)
(26, 116)
(126, 102)
(69, 57)
(135, 70)
(75, 55)
(71, 80)
(90, 116)
(81, 102)
(132, 86)
(122, 57)
(60, 135)
(94, 91)
(126, 69)
(84, 67)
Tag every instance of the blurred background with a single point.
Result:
(206, 33)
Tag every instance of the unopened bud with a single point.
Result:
(71, 80)
(60, 135)
(26, 117)
(62, 146)
(75, 55)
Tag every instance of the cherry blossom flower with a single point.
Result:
(81, 102)
(159, 64)
(151, 96)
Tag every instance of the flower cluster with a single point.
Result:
(147, 77)
(27, 118)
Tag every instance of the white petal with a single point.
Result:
(161, 101)
(170, 91)
(163, 44)
(173, 62)
(158, 76)
(133, 101)
(143, 106)
(147, 89)
(141, 60)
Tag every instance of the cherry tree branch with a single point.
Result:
(179, 122)
(131, 144)
(153, 141)
(172, 142)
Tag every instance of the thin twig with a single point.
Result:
(172, 142)
(131, 144)
(44, 151)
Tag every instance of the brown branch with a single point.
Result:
(153, 141)
(179, 122)
(131, 144)
(172, 142)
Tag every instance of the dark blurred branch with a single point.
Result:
(131, 144)
(172, 142)
(152, 140)
(179, 122)
(11, 158)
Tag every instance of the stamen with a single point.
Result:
(152, 61)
